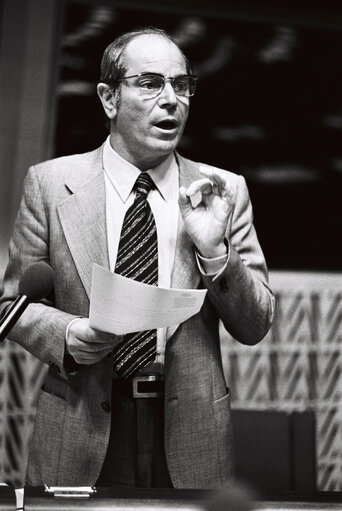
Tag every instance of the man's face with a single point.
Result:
(146, 130)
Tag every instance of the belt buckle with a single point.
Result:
(135, 382)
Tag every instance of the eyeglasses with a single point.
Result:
(152, 84)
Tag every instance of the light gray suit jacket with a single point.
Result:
(62, 221)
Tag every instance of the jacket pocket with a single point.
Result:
(55, 385)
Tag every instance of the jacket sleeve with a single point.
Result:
(41, 328)
(240, 292)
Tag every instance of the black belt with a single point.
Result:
(143, 386)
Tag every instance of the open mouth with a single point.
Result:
(167, 125)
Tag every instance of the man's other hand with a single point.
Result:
(205, 207)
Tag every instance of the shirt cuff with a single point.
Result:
(69, 325)
(213, 265)
(70, 366)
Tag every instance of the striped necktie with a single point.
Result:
(137, 259)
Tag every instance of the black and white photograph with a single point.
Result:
(171, 254)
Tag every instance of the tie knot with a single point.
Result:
(144, 183)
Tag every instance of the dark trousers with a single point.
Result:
(136, 455)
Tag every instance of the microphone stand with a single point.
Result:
(10, 318)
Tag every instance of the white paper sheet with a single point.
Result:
(120, 305)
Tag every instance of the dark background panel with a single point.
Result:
(268, 106)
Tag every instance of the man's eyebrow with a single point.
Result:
(147, 73)
(150, 73)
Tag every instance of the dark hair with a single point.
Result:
(113, 64)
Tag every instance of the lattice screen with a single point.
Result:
(298, 366)
(21, 376)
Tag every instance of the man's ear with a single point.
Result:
(108, 99)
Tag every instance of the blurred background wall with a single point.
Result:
(268, 106)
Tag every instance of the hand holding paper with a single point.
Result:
(120, 305)
(86, 345)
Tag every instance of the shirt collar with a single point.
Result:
(123, 174)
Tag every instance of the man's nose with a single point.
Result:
(167, 95)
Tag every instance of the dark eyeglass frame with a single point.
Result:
(170, 79)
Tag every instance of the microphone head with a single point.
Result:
(36, 281)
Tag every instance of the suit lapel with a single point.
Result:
(83, 220)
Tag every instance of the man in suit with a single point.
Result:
(92, 425)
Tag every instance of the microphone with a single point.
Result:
(36, 283)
